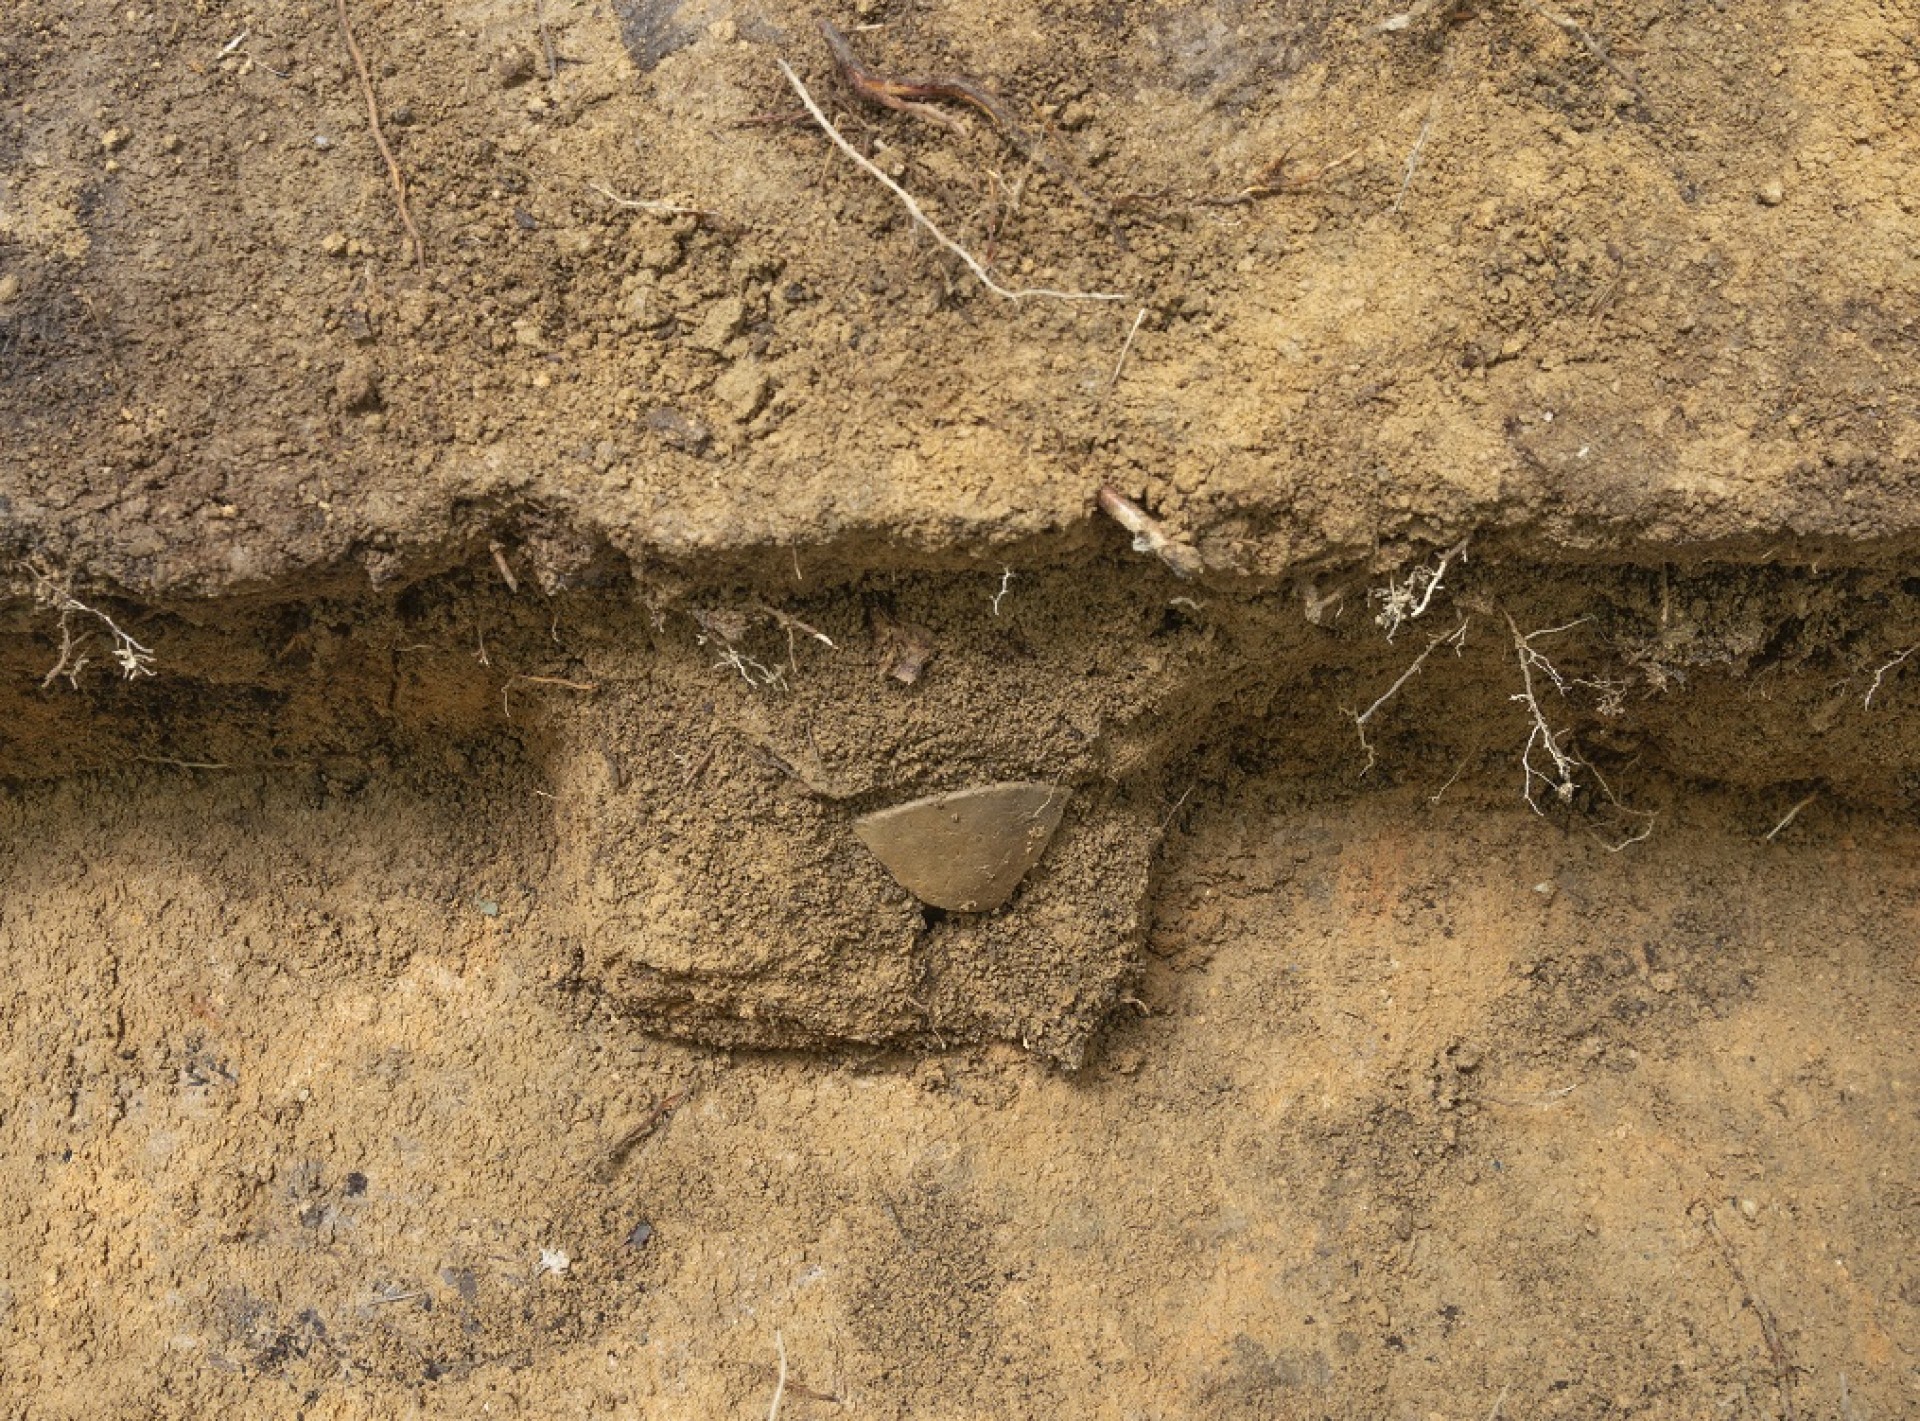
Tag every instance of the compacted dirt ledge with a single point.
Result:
(1475, 974)
(1644, 281)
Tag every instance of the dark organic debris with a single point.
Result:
(652, 29)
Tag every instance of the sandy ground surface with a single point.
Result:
(1475, 974)
(1417, 1107)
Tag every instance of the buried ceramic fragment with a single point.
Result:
(965, 851)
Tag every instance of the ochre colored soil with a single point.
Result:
(1476, 972)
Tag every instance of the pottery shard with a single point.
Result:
(966, 851)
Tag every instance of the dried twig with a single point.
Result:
(519, 678)
(780, 1386)
(1006, 581)
(1458, 770)
(506, 571)
(1539, 1100)
(1274, 180)
(1148, 534)
(754, 673)
(546, 39)
(1881, 675)
(657, 208)
(1788, 818)
(1542, 736)
(913, 208)
(182, 764)
(1573, 29)
(1783, 1368)
(1647, 818)
(793, 624)
(656, 1116)
(1456, 639)
(1407, 601)
(901, 94)
(1419, 146)
(133, 659)
(1121, 363)
(380, 138)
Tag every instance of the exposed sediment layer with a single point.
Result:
(694, 756)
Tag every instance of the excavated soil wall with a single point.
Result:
(494, 494)
(693, 756)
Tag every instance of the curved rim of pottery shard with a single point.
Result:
(965, 851)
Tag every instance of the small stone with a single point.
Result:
(554, 1261)
(743, 390)
(721, 324)
(1749, 1209)
(1773, 194)
(677, 430)
(334, 244)
(114, 139)
(642, 1232)
(9, 288)
(170, 144)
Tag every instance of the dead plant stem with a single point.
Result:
(913, 209)
(1788, 818)
(380, 138)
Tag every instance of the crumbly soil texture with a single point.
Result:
(492, 495)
